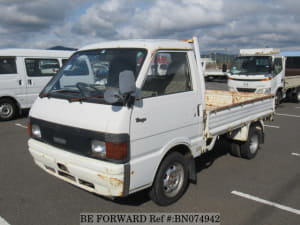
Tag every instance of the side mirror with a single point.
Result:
(126, 82)
(126, 87)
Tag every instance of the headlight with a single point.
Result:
(98, 148)
(264, 91)
(110, 150)
(36, 131)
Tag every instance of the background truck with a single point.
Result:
(23, 74)
(266, 70)
(212, 70)
(141, 129)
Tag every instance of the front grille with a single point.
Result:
(73, 139)
(246, 89)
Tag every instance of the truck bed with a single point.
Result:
(227, 110)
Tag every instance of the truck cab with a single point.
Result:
(114, 122)
(257, 71)
(110, 139)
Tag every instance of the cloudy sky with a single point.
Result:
(219, 24)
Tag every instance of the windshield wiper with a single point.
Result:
(80, 99)
(43, 95)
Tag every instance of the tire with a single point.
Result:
(278, 97)
(234, 148)
(171, 180)
(250, 148)
(8, 109)
(297, 95)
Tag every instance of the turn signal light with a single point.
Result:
(266, 79)
(116, 151)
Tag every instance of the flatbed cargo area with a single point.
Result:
(218, 100)
(228, 110)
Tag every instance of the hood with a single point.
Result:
(90, 116)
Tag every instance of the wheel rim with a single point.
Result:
(298, 96)
(173, 180)
(253, 144)
(6, 110)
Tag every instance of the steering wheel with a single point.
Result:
(85, 89)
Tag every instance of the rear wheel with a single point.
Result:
(235, 148)
(250, 148)
(8, 109)
(171, 180)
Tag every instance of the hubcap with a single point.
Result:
(253, 144)
(5, 110)
(173, 180)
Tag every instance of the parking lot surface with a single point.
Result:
(262, 191)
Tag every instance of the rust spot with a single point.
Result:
(132, 172)
(101, 176)
(115, 182)
(112, 180)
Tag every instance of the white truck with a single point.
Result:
(212, 70)
(23, 74)
(266, 70)
(138, 129)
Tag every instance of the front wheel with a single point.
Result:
(171, 180)
(278, 97)
(297, 95)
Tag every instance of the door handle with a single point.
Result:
(199, 110)
(140, 120)
(29, 82)
(20, 82)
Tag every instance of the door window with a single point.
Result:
(168, 73)
(277, 65)
(41, 67)
(8, 65)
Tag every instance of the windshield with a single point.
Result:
(251, 65)
(88, 74)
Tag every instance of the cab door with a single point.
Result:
(168, 114)
(279, 71)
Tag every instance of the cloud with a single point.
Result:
(229, 24)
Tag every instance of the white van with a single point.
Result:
(23, 74)
(266, 70)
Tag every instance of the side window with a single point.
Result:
(41, 67)
(8, 65)
(168, 73)
(277, 65)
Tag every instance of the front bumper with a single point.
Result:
(103, 178)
